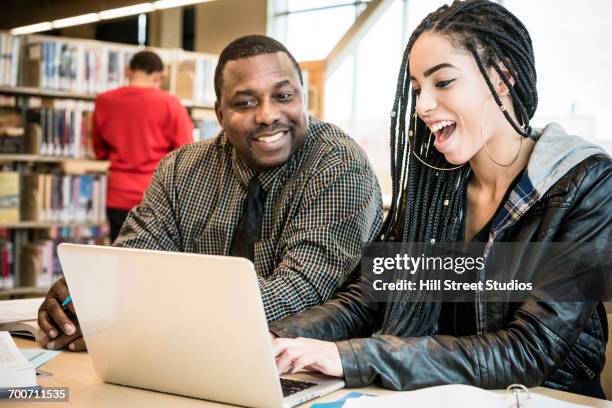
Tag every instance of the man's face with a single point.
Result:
(262, 109)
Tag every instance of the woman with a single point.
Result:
(471, 169)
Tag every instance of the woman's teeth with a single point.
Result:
(439, 125)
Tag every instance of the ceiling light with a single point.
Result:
(104, 15)
(164, 4)
(126, 11)
(76, 20)
(32, 28)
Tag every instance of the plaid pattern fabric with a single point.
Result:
(521, 199)
(321, 205)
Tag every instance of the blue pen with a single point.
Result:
(66, 301)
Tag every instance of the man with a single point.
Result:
(294, 194)
(134, 127)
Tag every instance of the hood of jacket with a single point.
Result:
(555, 153)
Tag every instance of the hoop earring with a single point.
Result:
(502, 108)
(414, 153)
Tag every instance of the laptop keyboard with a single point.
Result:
(291, 387)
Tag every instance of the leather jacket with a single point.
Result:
(558, 345)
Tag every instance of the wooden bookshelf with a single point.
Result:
(68, 165)
(190, 104)
(47, 225)
(66, 74)
(31, 91)
(23, 291)
(35, 158)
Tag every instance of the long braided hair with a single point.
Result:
(427, 204)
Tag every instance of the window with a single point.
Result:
(571, 52)
(311, 28)
(573, 60)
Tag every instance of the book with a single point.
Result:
(20, 317)
(461, 396)
(15, 369)
(7, 260)
(19, 310)
(10, 47)
(26, 328)
(9, 197)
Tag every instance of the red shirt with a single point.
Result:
(134, 128)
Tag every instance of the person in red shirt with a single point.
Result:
(134, 127)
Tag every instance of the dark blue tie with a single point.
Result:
(249, 226)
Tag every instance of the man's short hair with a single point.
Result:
(146, 61)
(249, 46)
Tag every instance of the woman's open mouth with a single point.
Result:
(442, 131)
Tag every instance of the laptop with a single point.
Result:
(181, 323)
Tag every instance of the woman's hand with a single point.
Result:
(310, 354)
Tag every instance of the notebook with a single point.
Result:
(461, 396)
(20, 317)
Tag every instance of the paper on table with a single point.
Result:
(15, 370)
(20, 309)
(38, 357)
(456, 396)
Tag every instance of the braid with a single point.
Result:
(428, 204)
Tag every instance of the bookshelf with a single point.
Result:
(31, 91)
(51, 189)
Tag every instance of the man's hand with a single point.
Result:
(60, 325)
(301, 353)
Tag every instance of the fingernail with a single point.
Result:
(68, 328)
(53, 334)
(51, 345)
(71, 346)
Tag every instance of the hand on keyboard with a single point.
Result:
(310, 354)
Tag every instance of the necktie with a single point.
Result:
(249, 226)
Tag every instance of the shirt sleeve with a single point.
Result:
(100, 147)
(342, 209)
(182, 125)
(153, 224)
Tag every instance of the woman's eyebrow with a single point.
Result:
(435, 68)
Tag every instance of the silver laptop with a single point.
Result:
(180, 323)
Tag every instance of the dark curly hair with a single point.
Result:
(427, 204)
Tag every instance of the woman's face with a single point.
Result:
(451, 95)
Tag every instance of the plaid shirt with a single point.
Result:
(321, 205)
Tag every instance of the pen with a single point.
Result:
(66, 301)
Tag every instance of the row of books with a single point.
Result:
(64, 198)
(89, 67)
(39, 262)
(60, 127)
(11, 126)
(195, 79)
(10, 47)
(205, 123)
(76, 67)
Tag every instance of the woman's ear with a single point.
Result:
(500, 85)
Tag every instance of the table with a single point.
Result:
(75, 370)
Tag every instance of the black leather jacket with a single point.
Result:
(558, 345)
